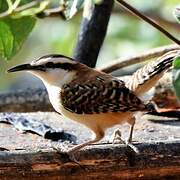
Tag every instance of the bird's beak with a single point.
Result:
(22, 67)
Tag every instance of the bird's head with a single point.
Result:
(55, 70)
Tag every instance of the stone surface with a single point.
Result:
(31, 156)
(145, 131)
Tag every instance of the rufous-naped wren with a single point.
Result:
(93, 98)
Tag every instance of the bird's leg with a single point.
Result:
(129, 140)
(71, 153)
(98, 136)
(132, 123)
(117, 133)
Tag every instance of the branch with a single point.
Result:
(92, 32)
(153, 53)
(148, 20)
(26, 8)
(53, 12)
(155, 16)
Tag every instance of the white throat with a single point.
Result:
(54, 96)
(54, 82)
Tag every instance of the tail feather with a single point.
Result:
(146, 77)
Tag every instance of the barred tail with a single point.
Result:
(146, 77)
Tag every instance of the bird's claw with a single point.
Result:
(116, 137)
(70, 153)
(135, 149)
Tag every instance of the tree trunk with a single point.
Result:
(92, 32)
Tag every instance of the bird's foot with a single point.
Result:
(116, 137)
(70, 154)
(134, 148)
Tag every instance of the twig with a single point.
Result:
(155, 16)
(15, 9)
(26, 6)
(148, 20)
(8, 11)
(53, 12)
(4, 14)
(153, 53)
(16, 4)
(9, 2)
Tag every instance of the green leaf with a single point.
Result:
(3, 6)
(72, 7)
(6, 40)
(177, 13)
(23, 2)
(13, 33)
(176, 63)
(176, 76)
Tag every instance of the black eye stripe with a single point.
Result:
(40, 68)
(49, 65)
(65, 66)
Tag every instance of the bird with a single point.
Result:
(93, 98)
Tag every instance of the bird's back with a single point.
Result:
(94, 92)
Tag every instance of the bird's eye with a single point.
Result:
(49, 65)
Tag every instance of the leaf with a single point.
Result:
(23, 2)
(176, 76)
(72, 7)
(3, 6)
(176, 63)
(6, 40)
(177, 13)
(13, 33)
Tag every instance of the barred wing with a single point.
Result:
(101, 96)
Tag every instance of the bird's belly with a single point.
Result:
(96, 121)
(92, 121)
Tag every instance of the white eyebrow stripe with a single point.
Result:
(54, 60)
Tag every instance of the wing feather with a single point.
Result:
(101, 96)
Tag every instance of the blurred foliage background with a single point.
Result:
(127, 35)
